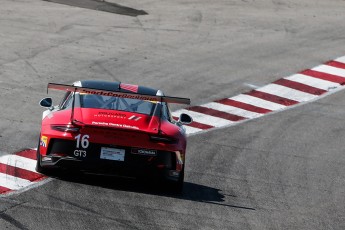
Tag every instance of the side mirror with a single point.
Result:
(185, 119)
(46, 102)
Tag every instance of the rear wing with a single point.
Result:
(71, 88)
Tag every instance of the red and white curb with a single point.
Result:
(308, 85)
(17, 172)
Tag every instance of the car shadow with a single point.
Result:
(191, 191)
(101, 5)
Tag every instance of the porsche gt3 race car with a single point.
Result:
(113, 128)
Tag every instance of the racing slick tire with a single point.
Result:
(177, 186)
(39, 167)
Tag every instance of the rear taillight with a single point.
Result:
(65, 128)
(163, 139)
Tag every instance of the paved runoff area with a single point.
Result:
(302, 87)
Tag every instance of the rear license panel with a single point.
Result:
(114, 154)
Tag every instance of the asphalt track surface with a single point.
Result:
(280, 171)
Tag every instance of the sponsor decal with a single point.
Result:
(135, 118)
(120, 95)
(44, 141)
(147, 152)
(110, 114)
(115, 125)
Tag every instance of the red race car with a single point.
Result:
(113, 128)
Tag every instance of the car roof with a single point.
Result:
(118, 87)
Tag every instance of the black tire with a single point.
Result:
(38, 161)
(39, 167)
(177, 186)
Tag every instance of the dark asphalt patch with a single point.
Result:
(13, 221)
(101, 6)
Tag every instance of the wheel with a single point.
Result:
(39, 167)
(177, 186)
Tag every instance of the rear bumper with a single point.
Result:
(162, 164)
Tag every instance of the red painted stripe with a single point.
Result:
(129, 87)
(4, 190)
(242, 105)
(21, 173)
(324, 76)
(300, 87)
(198, 125)
(28, 153)
(336, 64)
(272, 98)
(216, 113)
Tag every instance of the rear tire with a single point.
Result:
(39, 167)
(177, 186)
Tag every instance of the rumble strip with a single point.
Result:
(305, 86)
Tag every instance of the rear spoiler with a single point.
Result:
(71, 88)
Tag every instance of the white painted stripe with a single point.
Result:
(341, 59)
(190, 130)
(13, 183)
(204, 119)
(19, 162)
(257, 102)
(231, 110)
(330, 70)
(287, 92)
(312, 81)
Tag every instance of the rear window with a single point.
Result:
(115, 103)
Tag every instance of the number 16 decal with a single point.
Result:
(82, 140)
